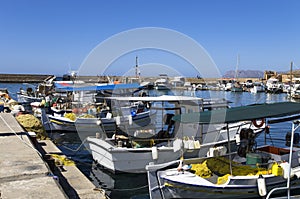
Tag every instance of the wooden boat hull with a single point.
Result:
(89, 126)
(128, 160)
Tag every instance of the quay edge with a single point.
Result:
(25, 174)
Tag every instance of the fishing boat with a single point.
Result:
(273, 86)
(201, 87)
(82, 109)
(162, 83)
(251, 172)
(236, 87)
(35, 93)
(93, 118)
(131, 151)
(257, 87)
(295, 91)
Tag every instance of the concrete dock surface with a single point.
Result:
(25, 174)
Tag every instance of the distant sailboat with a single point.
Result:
(236, 86)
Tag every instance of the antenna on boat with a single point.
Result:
(136, 67)
(291, 80)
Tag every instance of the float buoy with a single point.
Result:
(258, 124)
(261, 184)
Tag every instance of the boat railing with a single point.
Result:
(295, 125)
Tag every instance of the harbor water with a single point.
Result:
(135, 185)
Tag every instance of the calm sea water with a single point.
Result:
(135, 185)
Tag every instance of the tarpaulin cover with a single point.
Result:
(235, 114)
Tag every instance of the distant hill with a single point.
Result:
(244, 74)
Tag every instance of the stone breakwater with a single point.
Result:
(23, 78)
(37, 78)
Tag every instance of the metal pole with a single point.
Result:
(290, 165)
(288, 185)
(229, 149)
(291, 80)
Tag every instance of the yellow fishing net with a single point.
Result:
(221, 167)
(70, 116)
(202, 170)
(32, 124)
(87, 116)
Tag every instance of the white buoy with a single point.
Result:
(118, 120)
(154, 153)
(130, 119)
(237, 139)
(286, 166)
(98, 122)
(261, 184)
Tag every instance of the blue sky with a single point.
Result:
(52, 37)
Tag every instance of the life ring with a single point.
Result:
(258, 124)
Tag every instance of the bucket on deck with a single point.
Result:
(253, 159)
(277, 169)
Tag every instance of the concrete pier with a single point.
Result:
(25, 174)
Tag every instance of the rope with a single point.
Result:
(101, 191)
(132, 189)
(271, 139)
(74, 150)
(30, 146)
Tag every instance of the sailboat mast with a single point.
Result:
(236, 68)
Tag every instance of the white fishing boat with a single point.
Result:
(221, 85)
(252, 172)
(273, 86)
(35, 93)
(228, 85)
(236, 87)
(162, 83)
(132, 151)
(86, 124)
(201, 87)
(295, 91)
(257, 87)
(76, 107)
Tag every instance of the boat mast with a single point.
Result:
(291, 80)
(137, 73)
(236, 68)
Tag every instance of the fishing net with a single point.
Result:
(32, 124)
